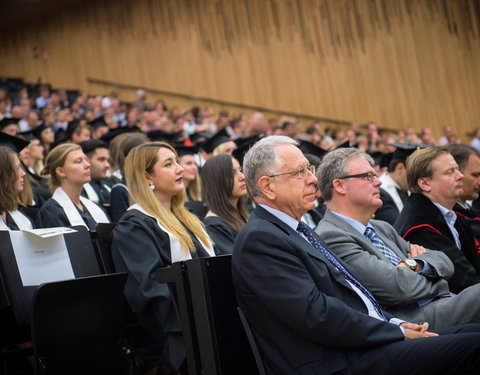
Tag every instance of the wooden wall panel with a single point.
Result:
(398, 62)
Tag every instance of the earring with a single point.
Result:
(151, 186)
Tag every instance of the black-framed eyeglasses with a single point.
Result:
(369, 176)
(300, 172)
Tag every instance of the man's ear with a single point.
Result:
(424, 184)
(339, 186)
(400, 167)
(267, 187)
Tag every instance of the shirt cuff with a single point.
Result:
(397, 322)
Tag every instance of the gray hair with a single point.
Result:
(334, 165)
(262, 160)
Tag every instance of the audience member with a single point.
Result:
(224, 192)
(12, 181)
(69, 169)
(428, 218)
(394, 190)
(406, 279)
(9, 125)
(468, 160)
(155, 232)
(99, 187)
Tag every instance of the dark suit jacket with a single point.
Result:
(305, 316)
(421, 222)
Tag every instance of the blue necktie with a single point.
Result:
(309, 234)
(380, 245)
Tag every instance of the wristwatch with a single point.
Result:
(411, 263)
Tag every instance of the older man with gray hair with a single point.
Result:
(407, 279)
(309, 313)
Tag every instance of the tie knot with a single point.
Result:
(369, 232)
(303, 228)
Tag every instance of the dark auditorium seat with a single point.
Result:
(77, 326)
(216, 342)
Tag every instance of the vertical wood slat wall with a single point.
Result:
(398, 62)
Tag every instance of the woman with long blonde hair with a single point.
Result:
(156, 231)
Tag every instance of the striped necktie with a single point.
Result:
(371, 234)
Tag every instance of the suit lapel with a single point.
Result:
(365, 242)
(303, 244)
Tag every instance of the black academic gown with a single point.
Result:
(53, 215)
(100, 187)
(118, 201)
(198, 208)
(11, 223)
(389, 210)
(422, 223)
(139, 248)
(222, 234)
(40, 190)
(471, 216)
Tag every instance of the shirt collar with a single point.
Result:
(449, 215)
(282, 216)
(354, 223)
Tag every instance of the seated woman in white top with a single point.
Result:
(154, 233)
(69, 168)
(11, 184)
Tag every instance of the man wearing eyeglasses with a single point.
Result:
(406, 279)
(309, 314)
(428, 218)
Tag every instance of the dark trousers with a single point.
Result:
(455, 351)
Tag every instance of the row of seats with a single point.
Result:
(85, 326)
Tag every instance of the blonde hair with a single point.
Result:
(194, 188)
(419, 165)
(140, 160)
(56, 158)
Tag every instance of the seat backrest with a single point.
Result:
(223, 345)
(77, 325)
(81, 255)
(252, 341)
(104, 246)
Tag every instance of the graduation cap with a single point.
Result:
(376, 156)
(91, 145)
(386, 159)
(199, 138)
(160, 135)
(404, 150)
(346, 144)
(112, 133)
(8, 121)
(28, 135)
(309, 148)
(98, 122)
(38, 130)
(215, 141)
(243, 145)
(183, 150)
(15, 143)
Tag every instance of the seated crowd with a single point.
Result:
(336, 271)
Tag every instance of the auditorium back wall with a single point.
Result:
(398, 62)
